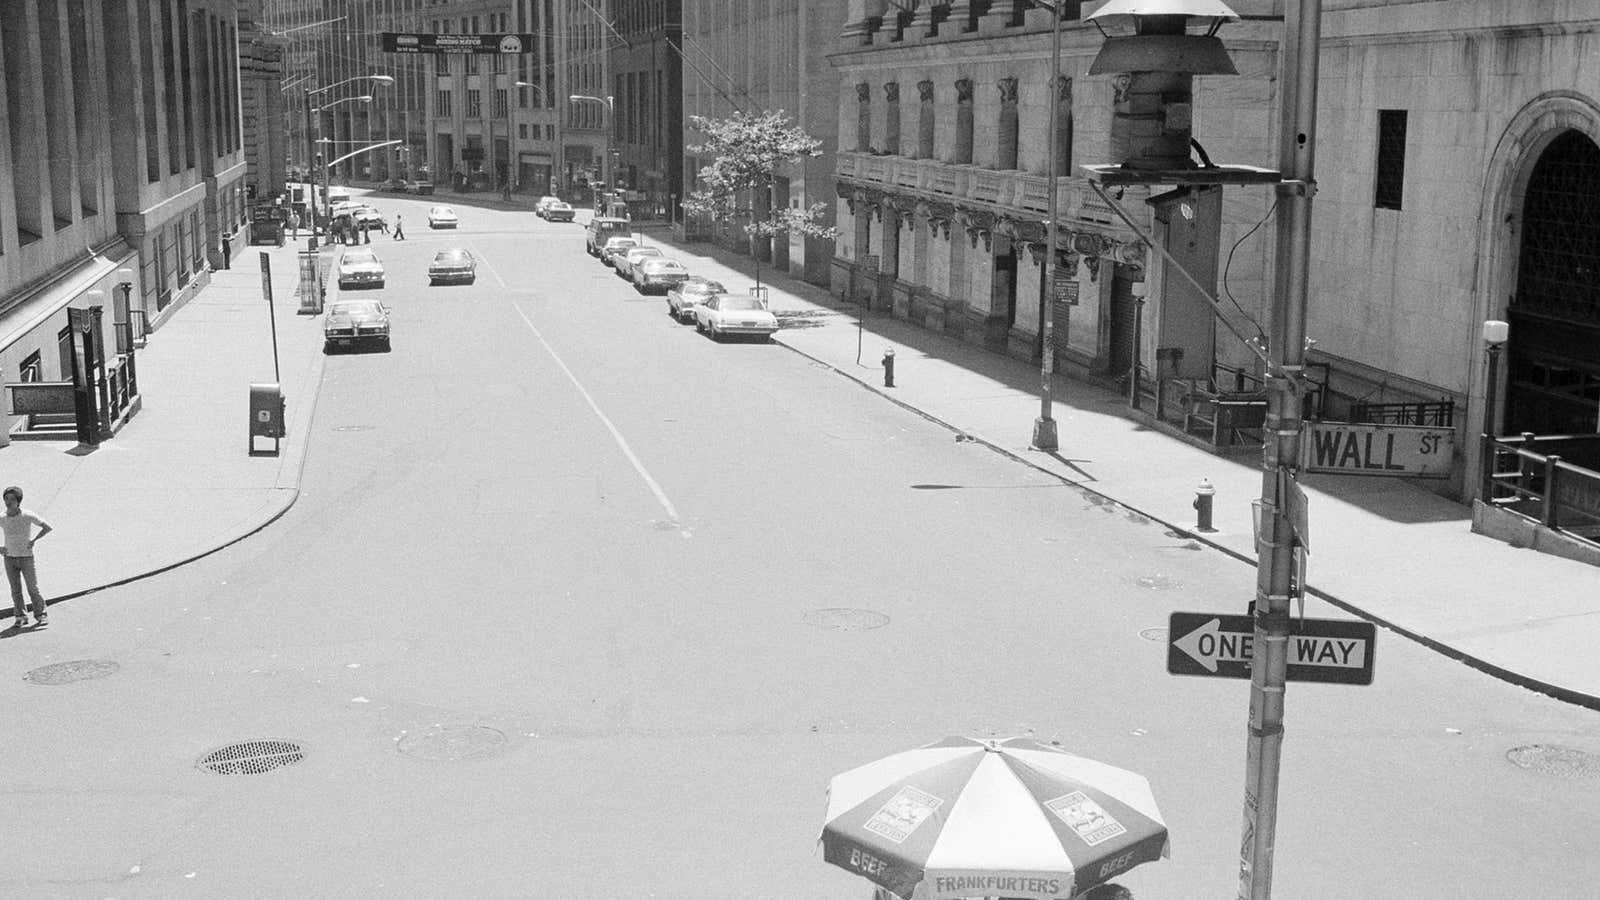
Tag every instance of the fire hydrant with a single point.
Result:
(888, 368)
(1202, 504)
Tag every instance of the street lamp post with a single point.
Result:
(610, 123)
(1044, 428)
(1495, 333)
(314, 137)
(122, 322)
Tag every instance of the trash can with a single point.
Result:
(266, 414)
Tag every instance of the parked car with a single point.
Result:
(559, 211)
(734, 314)
(442, 217)
(360, 268)
(602, 229)
(419, 186)
(615, 247)
(657, 275)
(683, 297)
(624, 262)
(393, 184)
(350, 322)
(542, 203)
(452, 265)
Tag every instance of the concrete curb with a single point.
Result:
(1557, 692)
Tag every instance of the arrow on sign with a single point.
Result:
(1209, 644)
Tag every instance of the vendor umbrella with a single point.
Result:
(964, 817)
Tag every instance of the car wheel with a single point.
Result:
(711, 330)
(699, 325)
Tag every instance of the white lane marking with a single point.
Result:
(485, 260)
(649, 480)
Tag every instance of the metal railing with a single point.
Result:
(1542, 486)
(1441, 413)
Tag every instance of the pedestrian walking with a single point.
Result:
(227, 250)
(18, 525)
(383, 225)
(399, 228)
(366, 231)
(294, 224)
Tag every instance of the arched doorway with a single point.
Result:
(1553, 377)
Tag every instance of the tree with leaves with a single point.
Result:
(746, 150)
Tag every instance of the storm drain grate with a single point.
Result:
(844, 619)
(452, 742)
(1561, 762)
(68, 672)
(251, 757)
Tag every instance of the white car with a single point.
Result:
(734, 314)
(657, 274)
(559, 211)
(442, 217)
(543, 203)
(625, 262)
(360, 268)
(686, 295)
(614, 248)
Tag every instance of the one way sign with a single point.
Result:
(1219, 646)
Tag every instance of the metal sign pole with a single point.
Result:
(1276, 541)
(1045, 435)
(272, 315)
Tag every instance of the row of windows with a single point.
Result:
(493, 23)
(474, 108)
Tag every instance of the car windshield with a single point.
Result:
(704, 287)
(443, 211)
(363, 258)
(663, 265)
(735, 302)
(620, 244)
(354, 308)
(453, 257)
(645, 251)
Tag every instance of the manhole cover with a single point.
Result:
(68, 672)
(251, 757)
(1153, 634)
(845, 619)
(1562, 762)
(353, 427)
(448, 742)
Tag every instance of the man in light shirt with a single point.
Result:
(18, 525)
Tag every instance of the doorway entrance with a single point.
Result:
(1553, 354)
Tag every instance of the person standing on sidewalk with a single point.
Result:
(399, 228)
(294, 224)
(18, 524)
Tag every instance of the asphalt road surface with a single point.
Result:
(579, 604)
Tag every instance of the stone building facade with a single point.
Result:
(944, 128)
(647, 84)
(122, 163)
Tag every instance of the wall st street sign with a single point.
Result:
(1397, 451)
(400, 42)
(1332, 651)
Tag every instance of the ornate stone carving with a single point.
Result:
(1008, 90)
(979, 224)
(925, 91)
(939, 217)
(963, 90)
(863, 92)
(891, 90)
(1119, 87)
(1092, 263)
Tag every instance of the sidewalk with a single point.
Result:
(177, 482)
(1386, 551)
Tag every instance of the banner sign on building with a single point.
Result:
(395, 42)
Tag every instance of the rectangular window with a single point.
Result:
(500, 104)
(522, 130)
(32, 368)
(470, 65)
(443, 63)
(1391, 166)
(442, 103)
(474, 104)
(497, 63)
